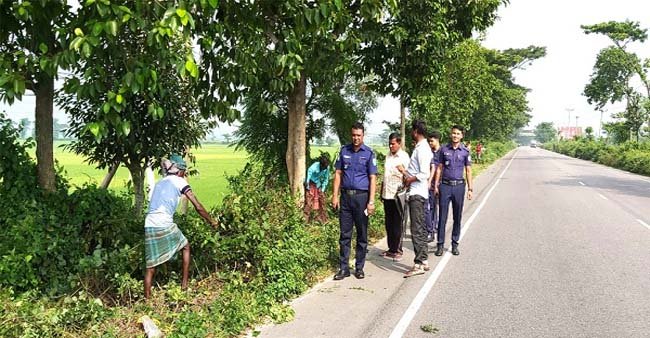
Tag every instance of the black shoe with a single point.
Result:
(454, 250)
(359, 274)
(342, 274)
(440, 250)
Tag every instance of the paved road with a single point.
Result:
(557, 247)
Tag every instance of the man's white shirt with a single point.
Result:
(392, 176)
(420, 167)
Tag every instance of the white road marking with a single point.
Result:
(581, 183)
(603, 197)
(415, 305)
(644, 224)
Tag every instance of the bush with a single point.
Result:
(630, 156)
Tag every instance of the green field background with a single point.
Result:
(213, 161)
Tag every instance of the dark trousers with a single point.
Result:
(418, 231)
(431, 213)
(352, 214)
(393, 220)
(456, 195)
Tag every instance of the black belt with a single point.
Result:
(453, 182)
(354, 191)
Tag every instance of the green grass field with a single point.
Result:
(213, 161)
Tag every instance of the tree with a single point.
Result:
(32, 49)
(130, 99)
(407, 48)
(614, 70)
(545, 132)
(275, 50)
(344, 105)
(478, 92)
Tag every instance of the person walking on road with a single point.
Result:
(450, 186)
(431, 209)
(318, 176)
(417, 178)
(162, 238)
(355, 178)
(392, 181)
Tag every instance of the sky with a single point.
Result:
(556, 81)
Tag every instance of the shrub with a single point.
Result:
(630, 156)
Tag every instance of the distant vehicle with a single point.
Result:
(534, 144)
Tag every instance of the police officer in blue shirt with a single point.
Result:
(355, 178)
(450, 186)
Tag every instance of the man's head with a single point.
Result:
(324, 161)
(457, 133)
(434, 139)
(357, 134)
(418, 130)
(174, 165)
(394, 142)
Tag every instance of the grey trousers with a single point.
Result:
(418, 231)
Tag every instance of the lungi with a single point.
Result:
(162, 243)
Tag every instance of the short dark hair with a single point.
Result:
(395, 136)
(435, 134)
(324, 160)
(358, 125)
(459, 127)
(419, 127)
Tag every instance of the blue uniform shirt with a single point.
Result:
(356, 167)
(454, 161)
(318, 176)
(436, 157)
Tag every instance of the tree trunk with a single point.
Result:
(137, 177)
(296, 144)
(44, 91)
(109, 176)
(402, 122)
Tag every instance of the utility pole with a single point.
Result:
(577, 117)
(600, 128)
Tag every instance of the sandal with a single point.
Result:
(418, 269)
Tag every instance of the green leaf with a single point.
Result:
(160, 112)
(126, 127)
(111, 27)
(97, 29)
(191, 67)
(94, 129)
(43, 48)
(185, 19)
(213, 3)
(119, 99)
(19, 86)
(181, 13)
(76, 43)
(154, 75)
(78, 32)
(86, 49)
(106, 107)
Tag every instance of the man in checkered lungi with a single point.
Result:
(162, 238)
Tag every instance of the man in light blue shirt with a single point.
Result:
(318, 176)
(417, 178)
